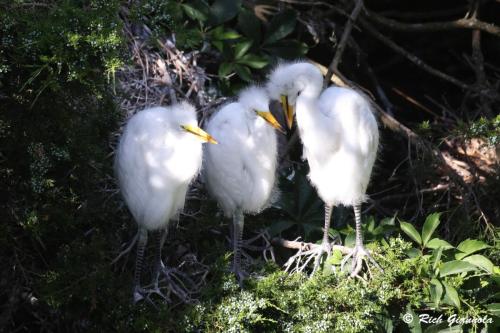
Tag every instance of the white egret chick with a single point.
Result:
(159, 154)
(340, 137)
(240, 171)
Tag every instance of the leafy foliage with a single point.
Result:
(242, 42)
(420, 281)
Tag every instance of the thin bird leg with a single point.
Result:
(161, 236)
(175, 281)
(325, 244)
(238, 223)
(359, 253)
(139, 263)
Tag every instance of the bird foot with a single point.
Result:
(359, 254)
(299, 261)
(176, 282)
(241, 275)
(259, 243)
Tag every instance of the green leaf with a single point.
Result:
(481, 262)
(494, 309)
(241, 48)
(436, 290)
(350, 240)
(276, 227)
(470, 246)
(225, 69)
(287, 49)
(452, 295)
(224, 10)
(370, 225)
(281, 25)
(455, 267)
(411, 231)
(436, 243)
(390, 221)
(335, 258)
(414, 325)
(444, 328)
(253, 61)
(413, 252)
(243, 72)
(194, 13)
(250, 26)
(220, 33)
(436, 257)
(430, 225)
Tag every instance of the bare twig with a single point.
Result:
(463, 23)
(297, 245)
(478, 64)
(333, 67)
(413, 58)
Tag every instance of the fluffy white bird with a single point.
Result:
(340, 137)
(159, 154)
(240, 171)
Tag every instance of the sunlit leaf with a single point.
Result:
(470, 246)
(241, 48)
(455, 267)
(430, 225)
(481, 262)
(253, 61)
(410, 230)
(451, 295)
(436, 243)
(436, 257)
(436, 292)
(494, 309)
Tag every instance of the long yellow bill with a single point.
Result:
(268, 116)
(204, 136)
(287, 110)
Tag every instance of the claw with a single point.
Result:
(325, 248)
(358, 255)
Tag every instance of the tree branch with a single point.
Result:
(343, 41)
(413, 58)
(463, 23)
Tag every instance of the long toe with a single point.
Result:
(359, 255)
(138, 294)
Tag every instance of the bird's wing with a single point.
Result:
(224, 168)
(349, 115)
(328, 123)
(144, 182)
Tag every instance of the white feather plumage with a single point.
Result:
(240, 170)
(338, 131)
(340, 137)
(155, 162)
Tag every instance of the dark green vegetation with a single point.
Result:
(62, 221)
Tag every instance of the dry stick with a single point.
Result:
(296, 245)
(413, 58)
(464, 23)
(478, 64)
(343, 41)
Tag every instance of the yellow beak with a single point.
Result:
(287, 110)
(204, 136)
(268, 116)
